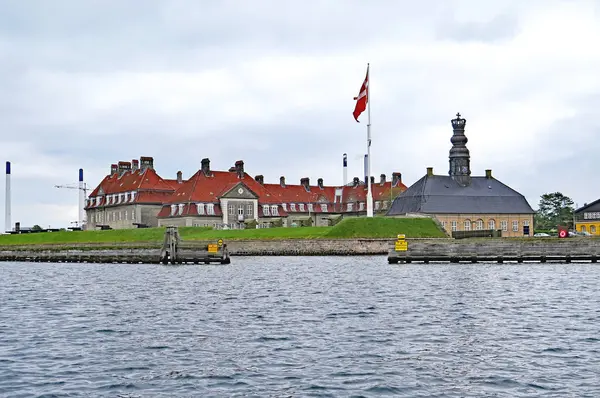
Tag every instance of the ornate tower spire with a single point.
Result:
(460, 168)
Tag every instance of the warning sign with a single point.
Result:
(220, 242)
(213, 248)
(401, 246)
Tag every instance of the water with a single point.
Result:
(292, 327)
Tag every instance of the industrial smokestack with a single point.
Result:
(81, 198)
(7, 221)
(345, 169)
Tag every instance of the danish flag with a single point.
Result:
(363, 98)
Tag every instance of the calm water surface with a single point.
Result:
(294, 326)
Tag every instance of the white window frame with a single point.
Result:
(492, 224)
(231, 209)
(467, 225)
(210, 208)
(266, 210)
(301, 206)
(350, 206)
(173, 210)
(200, 208)
(292, 207)
(324, 207)
(249, 209)
(504, 225)
(126, 215)
(377, 205)
(181, 206)
(479, 225)
(310, 208)
(274, 210)
(284, 205)
(361, 206)
(453, 225)
(515, 226)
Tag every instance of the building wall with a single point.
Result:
(521, 220)
(592, 226)
(190, 221)
(121, 217)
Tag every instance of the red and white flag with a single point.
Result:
(363, 98)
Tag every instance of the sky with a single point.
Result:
(87, 84)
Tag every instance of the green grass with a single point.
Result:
(377, 227)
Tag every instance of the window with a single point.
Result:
(265, 210)
(231, 208)
(114, 216)
(515, 226)
(479, 225)
(350, 206)
(453, 225)
(181, 206)
(301, 206)
(119, 216)
(492, 224)
(377, 204)
(274, 210)
(583, 228)
(525, 223)
(200, 208)
(361, 206)
(593, 229)
(210, 208)
(173, 210)
(284, 205)
(385, 204)
(249, 209)
(444, 224)
(504, 225)
(241, 212)
(323, 207)
(132, 215)
(467, 224)
(125, 214)
(310, 208)
(292, 206)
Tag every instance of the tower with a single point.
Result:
(460, 160)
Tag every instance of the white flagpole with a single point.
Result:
(368, 182)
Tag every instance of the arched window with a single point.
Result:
(467, 225)
(583, 228)
(479, 226)
(593, 229)
(492, 224)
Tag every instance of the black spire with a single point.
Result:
(460, 168)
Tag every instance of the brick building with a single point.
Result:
(132, 196)
(461, 202)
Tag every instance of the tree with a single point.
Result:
(36, 228)
(554, 209)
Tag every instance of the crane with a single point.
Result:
(82, 187)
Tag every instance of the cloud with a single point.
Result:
(86, 84)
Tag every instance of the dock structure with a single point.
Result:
(178, 251)
(497, 250)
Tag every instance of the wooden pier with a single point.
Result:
(498, 250)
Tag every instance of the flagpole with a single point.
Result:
(368, 182)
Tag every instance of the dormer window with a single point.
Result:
(301, 206)
(361, 206)
(350, 206)
(310, 207)
(266, 210)
(284, 205)
(292, 206)
(274, 210)
(173, 210)
(323, 207)
(210, 208)
(131, 196)
(200, 208)
(181, 205)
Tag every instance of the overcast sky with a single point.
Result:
(89, 83)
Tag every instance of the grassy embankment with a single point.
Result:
(377, 227)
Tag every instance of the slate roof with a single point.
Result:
(442, 195)
(594, 206)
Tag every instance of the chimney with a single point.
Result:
(345, 169)
(7, 210)
(282, 181)
(372, 180)
(205, 166)
(239, 168)
(135, 165)
(320, 183)
(232, 169)
(260, 179)
(114, 169)
(179, 177)
(396, 179)
(147, 162)
(488, 174)
(382, 179)
(429, 171)
(355, 181)
(306, 183)
(124, 167)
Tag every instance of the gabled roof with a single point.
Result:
(442, 195)
(594, 206)
(133, 181)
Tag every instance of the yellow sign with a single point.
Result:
(212, 248)
(220, 242)
(401, 246)
(401, 237)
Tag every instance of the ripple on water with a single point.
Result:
(335, 326)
